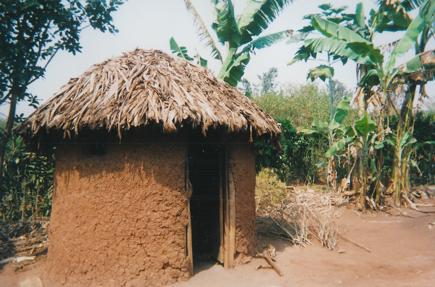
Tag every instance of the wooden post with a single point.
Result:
(230, 215)
(188, 194)
(222, 188)
(232, 237)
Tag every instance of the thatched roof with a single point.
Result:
(141, 88)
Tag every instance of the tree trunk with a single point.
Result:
(378, 188)
(9, 126)
(400, 171)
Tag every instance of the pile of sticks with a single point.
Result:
(23, 241)
(303, 215)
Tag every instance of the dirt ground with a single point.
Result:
(402, 254)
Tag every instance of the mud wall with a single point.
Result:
(119, 218)
(242, 166)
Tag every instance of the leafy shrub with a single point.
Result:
(301, 105)
(424, 155)
(298, 158)
(26, 184)
(269, 190)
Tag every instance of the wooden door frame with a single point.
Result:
(188, 227)
(227, 212)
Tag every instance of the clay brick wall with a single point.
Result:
(242, 164)
(118, 218)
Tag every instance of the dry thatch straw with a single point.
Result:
(141, 88)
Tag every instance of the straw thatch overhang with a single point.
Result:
(143, 88)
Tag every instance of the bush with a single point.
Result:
(424, 155)
(300, 105)
(269, 190)
(299, 157)
(26, 184)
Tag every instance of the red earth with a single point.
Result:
(402, 254)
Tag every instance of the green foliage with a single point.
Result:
(364, 125)
(425, 17)
(240, 35)
(331, 128)
(342, 42)
(225, 25)
(269, 189)
(331, 29)
(299, 156)
(32, 32)
(423, 161)
(301, 105)
(348, 37)
(203, 32)
(392, 16)
(180, 51)
(258, 15)
(322, 72)
(266, 41)
(27, 183)
(234, 66)
(342, 111)
(335, 131)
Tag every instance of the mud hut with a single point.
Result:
(154, 172)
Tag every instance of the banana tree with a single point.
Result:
(332, 131)
(358, 141)
(365, 142)
(182, 52)
(381, 74)
(354, 22)
(389, 16)
(353, 144)
(239, 36)
(325, 72)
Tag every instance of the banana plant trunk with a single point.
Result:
(379, 186)
(400, 181)
(227, 62)
(331, 178)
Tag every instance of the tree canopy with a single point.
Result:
(31, 34)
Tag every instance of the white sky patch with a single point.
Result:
(148, 24)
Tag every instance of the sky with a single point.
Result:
(148, 24)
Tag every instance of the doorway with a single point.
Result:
(206, 166)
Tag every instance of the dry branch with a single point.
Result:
(401, 213)
(298, 215)
(413, 206)
(354, 243)
(271, 263)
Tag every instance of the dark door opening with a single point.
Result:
(205, 166)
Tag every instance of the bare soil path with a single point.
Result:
(402, 254)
